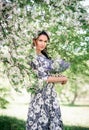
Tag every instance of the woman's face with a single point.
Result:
(41, 43)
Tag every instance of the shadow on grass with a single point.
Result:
(75, 105)
(11, 123)
(75, 128)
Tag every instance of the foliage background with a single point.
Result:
(67, 23)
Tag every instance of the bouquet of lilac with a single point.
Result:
(59, 66)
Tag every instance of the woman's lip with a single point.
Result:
(42, 47)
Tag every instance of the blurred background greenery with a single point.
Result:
(67, 23)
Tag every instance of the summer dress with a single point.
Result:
(44, 111)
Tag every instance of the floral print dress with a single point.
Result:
(44, 111)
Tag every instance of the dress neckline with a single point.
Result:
(40, 54)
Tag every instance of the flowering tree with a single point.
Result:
(65, 21)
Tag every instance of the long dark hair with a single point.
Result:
(44, 52)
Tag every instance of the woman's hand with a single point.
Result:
(63, 79)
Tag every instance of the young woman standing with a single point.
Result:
(44, 111)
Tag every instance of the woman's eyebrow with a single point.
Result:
(42, 40)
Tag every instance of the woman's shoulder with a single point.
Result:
(32, 61)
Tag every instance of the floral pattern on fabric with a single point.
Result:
(44, 111)
(44, 67)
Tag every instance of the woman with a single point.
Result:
(44, 111)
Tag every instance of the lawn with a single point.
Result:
(74, 117)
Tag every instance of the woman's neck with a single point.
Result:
(38, 52)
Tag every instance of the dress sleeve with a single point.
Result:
(39, 70)
(60, 65)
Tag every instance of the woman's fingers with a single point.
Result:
(63, 83)
(64, 80)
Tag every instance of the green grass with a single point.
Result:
(74, 117)
(12, 123)
(75, 128)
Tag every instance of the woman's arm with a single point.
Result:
(60, 79)
(59, 66)
(43, 75)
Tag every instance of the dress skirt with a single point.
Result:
(44, 111)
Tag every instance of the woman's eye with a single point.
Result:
(45, 41)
